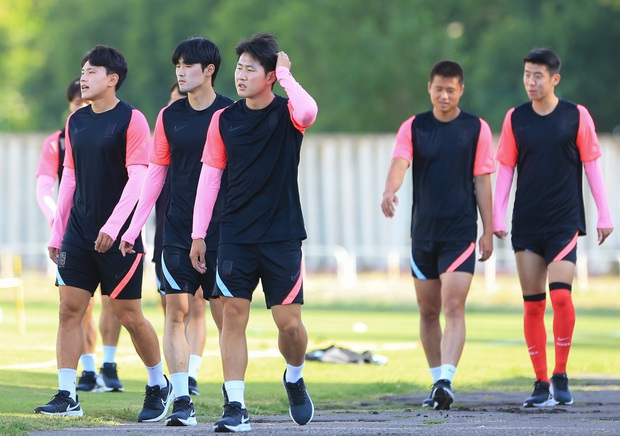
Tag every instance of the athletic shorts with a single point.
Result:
(430, 259)
(553, 247)
(120, 277)
(180, 277)
(276, 264)
(159, 276)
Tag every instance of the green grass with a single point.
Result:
(495, 357)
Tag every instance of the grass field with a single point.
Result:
(495, 357)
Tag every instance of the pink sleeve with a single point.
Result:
(160, 153)
(206, 195)
(597, 187)
(301, 105)
(484, 163)
(48, 159)
(65, 204)
(127, 202)
(68, 162)
(587, 141)
(45, 197)
(214, 152)
(138, 140)
(503, 182)
(404, 142)
(151, 188)
(507, 147)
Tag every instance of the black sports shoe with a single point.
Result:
(541, 397)
(183, 412)
(193, 386)
(442, 395)
(301, 408)
(559, 389)
(61, 404)
(88, 382)
(234, 419)
(429, 402)
(109, 378)
(156, 403)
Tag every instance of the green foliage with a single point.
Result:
(365, 62)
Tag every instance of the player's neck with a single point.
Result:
(201, 99)
(104, 103)
(260, 101)
(546, 105)
(446, 117)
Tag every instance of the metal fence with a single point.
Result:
(341, 182)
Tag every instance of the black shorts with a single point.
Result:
(553, 247)
(159, 276)
(120, 277)
(276, 264)
(180, 277)
(430, 259)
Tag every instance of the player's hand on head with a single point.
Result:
(103, 243)
(126, 248)
(283, 60)
(197, 255)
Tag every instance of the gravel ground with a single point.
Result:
(595, 412)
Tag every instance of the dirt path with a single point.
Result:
(478, 413)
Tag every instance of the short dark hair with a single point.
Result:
(263, 47)
(110, 58)
(174, 86)
(74, 89)
(198, 50)
(447, 69)
(546, 57)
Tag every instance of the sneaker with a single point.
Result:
(301, 408)
(109, 378)
(559, 389)
(193, 386)
(429, 402)
(156, 403)
(61, 404)
(234, 419)
(541, 397)
(88, 382)
(442, 395)
(183, 412)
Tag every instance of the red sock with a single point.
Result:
(563, 324)
(536, 334)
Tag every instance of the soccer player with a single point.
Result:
(49, 170)
(548, 140)
(180, 135)
(451, 155)
(258, 140)
(105, 163)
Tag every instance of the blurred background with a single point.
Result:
(366, 62)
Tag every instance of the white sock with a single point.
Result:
(156, 375)
(447, 372)
(293, 373)
(88, 362)
(66, 381)
(235, 389)
(109, 354)
(435, 373)
(194, 365)
(179, 384)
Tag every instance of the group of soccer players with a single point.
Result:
(232, 170)
(548, 140)
(233, 217)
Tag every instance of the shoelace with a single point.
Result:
(151, 396)
(297, 392)
(232, 411)
(59, 399)
(181, 405)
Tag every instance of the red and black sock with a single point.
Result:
(536, 333)
(563, 323)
